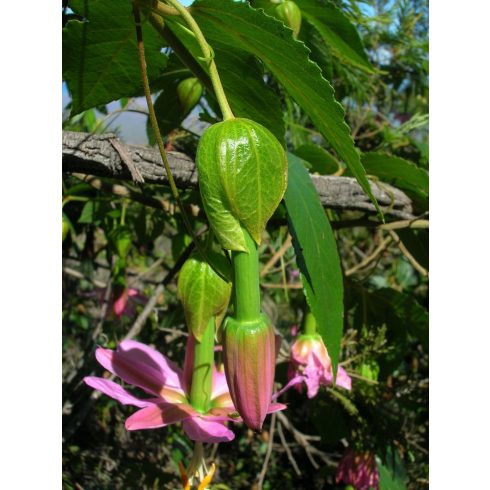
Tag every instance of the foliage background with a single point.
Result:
(384, 346)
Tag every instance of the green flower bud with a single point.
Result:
(242, 178)
(290, 14)
(189, 92)
(203, 292)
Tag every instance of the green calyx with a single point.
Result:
(242, 177)
(290, 14)
(204, 294)
(189, 92)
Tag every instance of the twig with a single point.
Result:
(263, 472)
(103, 313)
(371, 258)
(282, 250)
(270, 285)
(424, 272)
(74, 273)
(288, 450)
(128, 160)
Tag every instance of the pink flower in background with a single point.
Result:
(126, 303)
(359, 470)
(169, 387)
(311, 364)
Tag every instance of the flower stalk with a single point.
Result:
(246, 281)
(202, 369)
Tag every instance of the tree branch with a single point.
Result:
(96, 155)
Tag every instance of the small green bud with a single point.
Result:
(189, 92)
(290, 14)
(204, 294)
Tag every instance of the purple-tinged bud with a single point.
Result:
(250, 359)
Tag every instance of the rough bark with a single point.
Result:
(105, 156)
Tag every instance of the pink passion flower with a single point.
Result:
(311, 364)
(169, 387)
(359, 470)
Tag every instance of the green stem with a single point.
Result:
(156, 129)
(202, 371)
(208, 55)
(246, 281)
(309, 324)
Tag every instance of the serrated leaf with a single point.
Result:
(203, 293)
(100, 58)
(242, 79)
(334, 27)
(401, 173)
(240, 26)
(319, 159)
(317, 256)
(337, 31)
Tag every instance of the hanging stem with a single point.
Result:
(202, 370)
(156, 129)
(246, 281)
(309, 324)
(208, 55)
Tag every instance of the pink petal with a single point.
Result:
(276, 407)
(142, 366)
(201, 430)
(115, 391)
(220, 387)
(120, 304)
(161, 415)
(343, 379)
(292, 382)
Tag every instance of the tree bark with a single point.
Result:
(106, 156)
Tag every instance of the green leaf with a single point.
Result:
(242, 178)
(243, 81)
(337, 31)
(403, 316)
(400, 173)
(320, 160)
(334, 27)
(100, 58)
(317, 256)
(392, 473)
(239, 26)
(203, 293)
(121, 239)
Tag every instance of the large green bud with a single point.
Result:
(189, 92)
(204, 294)
(242, 178)
(290, 14)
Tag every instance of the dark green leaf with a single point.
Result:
(100, 59)
(337, 31)
(317, 256)
(400, 312)
(239, 26)
(320, 160)
(401, 173)
(243, 81)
